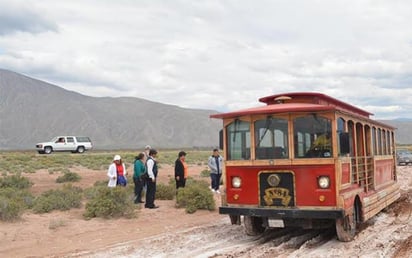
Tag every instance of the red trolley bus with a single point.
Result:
(306, 160)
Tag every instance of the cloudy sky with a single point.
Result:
(221, 55)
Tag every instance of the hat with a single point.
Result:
(147, 147)
(117, 157)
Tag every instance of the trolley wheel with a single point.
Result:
(253, 225)
(346, 227)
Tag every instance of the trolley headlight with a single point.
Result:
(236, 182)
(323, 182)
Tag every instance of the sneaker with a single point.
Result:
(217, 191)
(213, 190)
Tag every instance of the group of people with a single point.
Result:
(146, 171)
(144, 175)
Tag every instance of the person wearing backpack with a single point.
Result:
(139, 171)
(151, 168)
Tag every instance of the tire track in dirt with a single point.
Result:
(388, 234)
(218, 240)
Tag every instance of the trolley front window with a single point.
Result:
(312, 136)
(238, 140)
(271, 138)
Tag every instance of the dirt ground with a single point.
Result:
(170, 232)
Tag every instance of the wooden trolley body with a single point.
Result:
(280, 172)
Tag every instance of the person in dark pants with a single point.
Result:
(180, 170)
(151, 168)
(215, 164)
(139, 170)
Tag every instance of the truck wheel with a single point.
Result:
(80, 149)
(48, 149)
(253, 225)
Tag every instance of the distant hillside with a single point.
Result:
(32, 111)
(403, 130)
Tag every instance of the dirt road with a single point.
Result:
(389, 234)
(170, 232)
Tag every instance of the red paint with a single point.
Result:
(307, 192)
(383, 171)
(345, 173)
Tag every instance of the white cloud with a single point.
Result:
(220, 55)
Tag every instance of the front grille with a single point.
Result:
(279, 192)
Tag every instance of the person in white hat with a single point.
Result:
(117, 172)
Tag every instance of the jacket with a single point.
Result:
(112, 174)
(179, 169)
(213, 166)
(151, 168)
(139, 169)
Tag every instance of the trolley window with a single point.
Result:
(312, 136)
(271, 138)
(238, 140)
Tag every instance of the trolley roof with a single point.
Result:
(296, 102)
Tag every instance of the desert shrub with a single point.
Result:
(109, 202)
(165, 192)
(14, 196)
(60, 199)
(195, 196)
(201, 183)
(101, 183)
(13, 202)
(15, 181)
(20, 195)
(205, 173)
(56, 223)
(68, 177)
(189, 180)
(10, 209)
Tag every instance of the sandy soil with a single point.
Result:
(170, 232)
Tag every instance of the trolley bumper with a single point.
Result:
(283, 213)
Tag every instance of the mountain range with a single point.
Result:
(34, 111)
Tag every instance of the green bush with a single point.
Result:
(205, 173)
(10, 209)
(201, 183)
(101, 183)
(19, 195)
(15, 181)
(56, 223)
(165, 192)
(195, 196)
(109, 202)
(14, 196)
(68, 177)
(61, 199)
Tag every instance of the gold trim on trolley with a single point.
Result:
(276, 192)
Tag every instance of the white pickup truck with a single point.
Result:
(65, 143)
